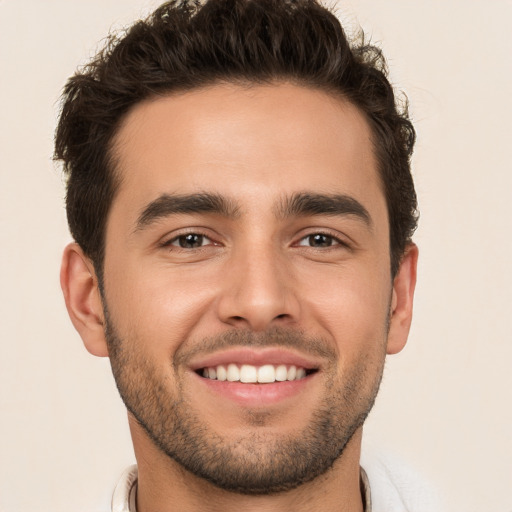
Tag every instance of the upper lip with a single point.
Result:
(255, 357)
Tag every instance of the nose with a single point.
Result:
(258, 291)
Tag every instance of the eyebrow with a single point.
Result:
(296, 205)
(172, 204)
(306, 203)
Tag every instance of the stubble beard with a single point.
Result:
(254, 463)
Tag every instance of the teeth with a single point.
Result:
(266, 373)
(222, 373)
(281, 373)
(247, 373)
(301, 373)
(233, 373)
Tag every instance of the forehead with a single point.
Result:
(245, 142)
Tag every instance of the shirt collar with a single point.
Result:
(365, 491)
(124, 497)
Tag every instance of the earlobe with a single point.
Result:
(402, 300)
(83, 300)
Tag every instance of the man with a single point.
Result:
(242, 206)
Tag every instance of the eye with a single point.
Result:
(190, 241)
(318, 241)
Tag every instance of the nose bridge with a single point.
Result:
(258, 291)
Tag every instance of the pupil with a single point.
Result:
(191, 241)
(320, 240)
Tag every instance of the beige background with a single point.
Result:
(446, 401)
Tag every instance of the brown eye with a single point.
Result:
(190, 241)
(318, 241)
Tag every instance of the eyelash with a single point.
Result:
(175, 240)
(334, 241)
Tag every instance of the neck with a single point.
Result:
(166, 486)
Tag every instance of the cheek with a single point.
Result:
(351, 305)
(159, 307)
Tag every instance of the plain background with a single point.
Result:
(446, 401)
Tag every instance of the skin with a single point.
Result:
(256, 271)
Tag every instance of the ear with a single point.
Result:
(402, 300)
(83, 300)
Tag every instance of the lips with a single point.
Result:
(256, 377)
(244, 363)
(257, 357)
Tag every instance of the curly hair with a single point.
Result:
(187, 44)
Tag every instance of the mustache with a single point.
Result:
(276, 337)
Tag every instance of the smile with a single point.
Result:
(254, 377)
(250, 374)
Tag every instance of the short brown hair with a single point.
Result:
(187, 44)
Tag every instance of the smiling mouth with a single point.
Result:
(249, 374)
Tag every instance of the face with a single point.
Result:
(248, 297)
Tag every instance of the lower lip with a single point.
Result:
(255, 395)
